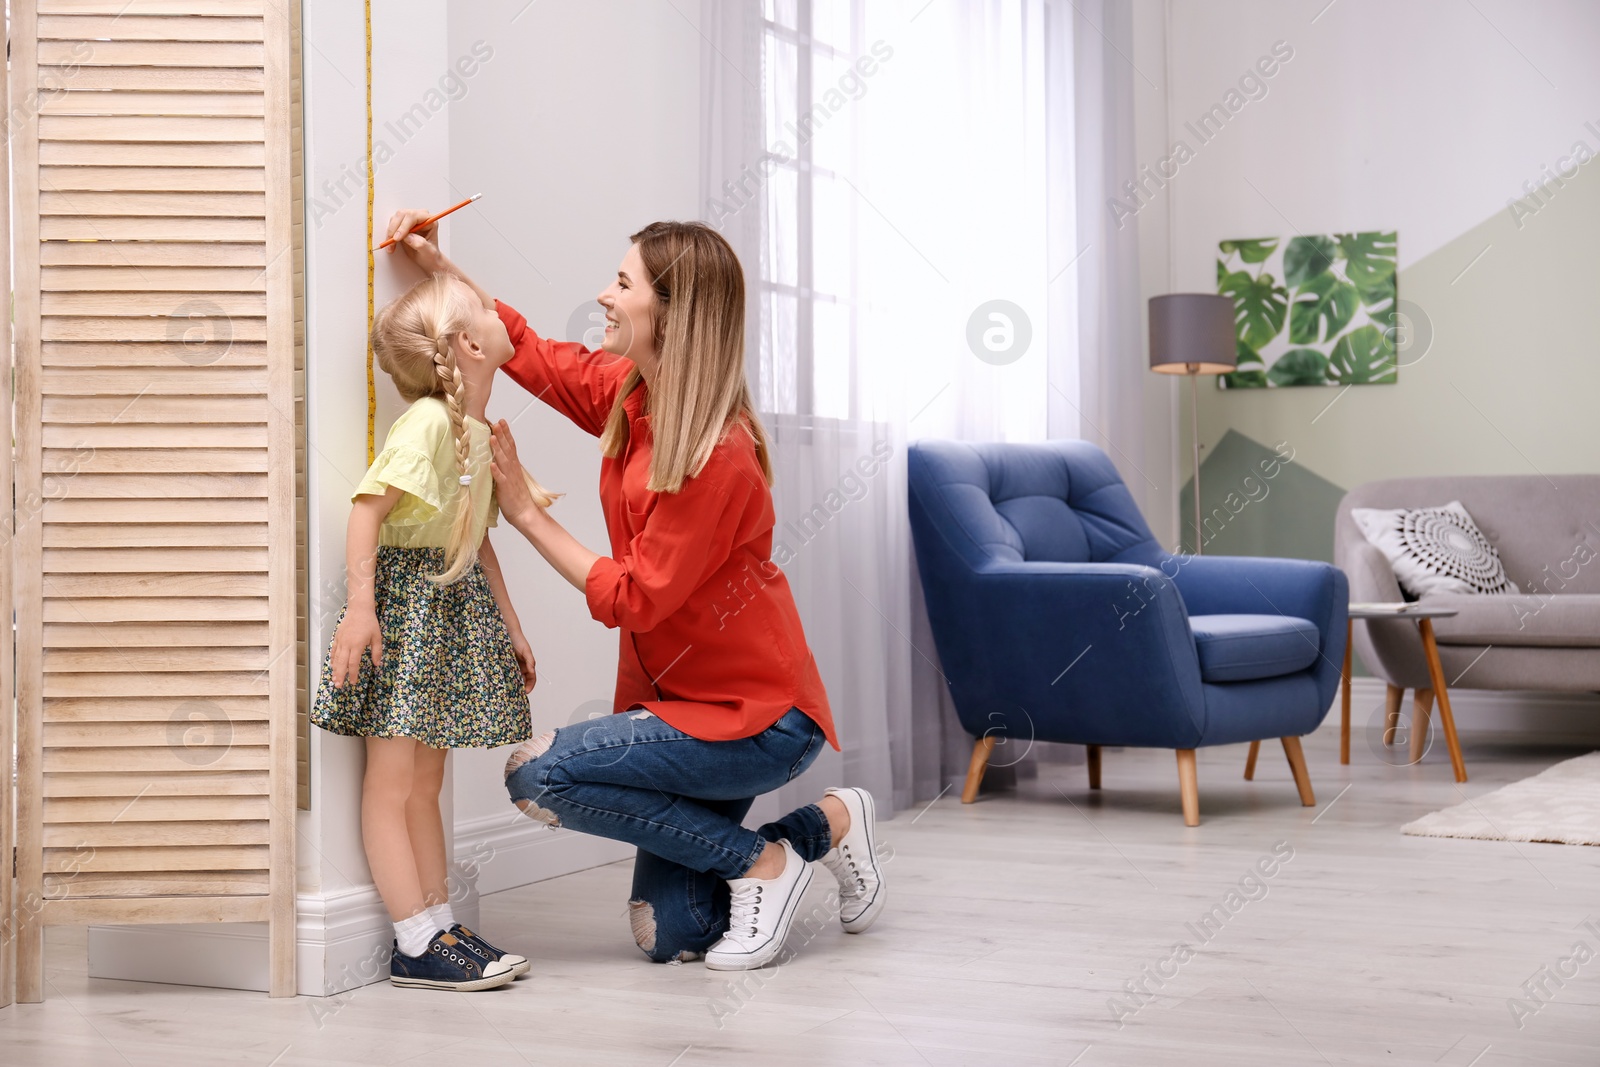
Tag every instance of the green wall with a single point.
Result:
(1260, 501)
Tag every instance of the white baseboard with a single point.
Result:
(342, 941)
(343, 937)
(1488, 710)
(505, 851)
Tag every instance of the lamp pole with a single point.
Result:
(1194, 426)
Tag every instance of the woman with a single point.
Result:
(718, 696)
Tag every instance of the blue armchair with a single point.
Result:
(1058, 617)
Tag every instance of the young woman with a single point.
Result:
(718, 696)
(424, 585)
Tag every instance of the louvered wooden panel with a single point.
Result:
(9, 920)
(140, 535)
(302, 542)
(170, 884)
(157, 619)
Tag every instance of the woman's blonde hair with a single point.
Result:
(699, 393)
(413, 339)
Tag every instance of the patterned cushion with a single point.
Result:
(1435, 550)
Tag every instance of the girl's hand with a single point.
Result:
(524, 651)
(421, 246)
(511, 487)
(356, 633)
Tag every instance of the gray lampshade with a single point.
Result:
(1192, 333)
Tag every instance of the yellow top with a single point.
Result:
(419, 457)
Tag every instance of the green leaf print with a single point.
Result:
(1363, 356)
(1258, 306)
(1379, 299)
(1369, 258)
(1307, 258)
(1300, 366)
(1253, 250)
(1322, 307)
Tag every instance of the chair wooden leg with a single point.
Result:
(1421, 704)
(1391, 712)
(1094, 766)
(1188, 787)
(1250, 761)
(1297, 765)
(980, 762)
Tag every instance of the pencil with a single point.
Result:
(430, 221)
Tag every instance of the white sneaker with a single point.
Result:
(761, 911)
(854, 862)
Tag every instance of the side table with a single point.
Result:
(1424, 616)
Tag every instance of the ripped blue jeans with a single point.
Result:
(632, 777)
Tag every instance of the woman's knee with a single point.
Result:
(659, 944)
(527, 779)
(529, 751)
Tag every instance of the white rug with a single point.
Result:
(1560, 805)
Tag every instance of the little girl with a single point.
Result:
(450, 667)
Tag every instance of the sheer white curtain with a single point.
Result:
(1110, 321)
(899, 186)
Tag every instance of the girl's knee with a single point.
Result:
(389, 792)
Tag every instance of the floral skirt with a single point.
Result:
(449, 677)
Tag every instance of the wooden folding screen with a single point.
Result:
(155, 448)
(304, 679)
(8, 529)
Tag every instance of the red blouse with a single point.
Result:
(711, 639)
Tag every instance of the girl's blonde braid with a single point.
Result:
(460, 554)
(455, 399)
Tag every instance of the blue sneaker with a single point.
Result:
(447, 964)
(488, 953)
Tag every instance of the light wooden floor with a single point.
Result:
(1012, 923)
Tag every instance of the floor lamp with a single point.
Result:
(1192, 333)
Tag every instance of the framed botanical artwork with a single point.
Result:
(1311, 310)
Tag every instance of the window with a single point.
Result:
(809, 262)
(916, 183)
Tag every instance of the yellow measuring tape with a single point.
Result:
(372, 389)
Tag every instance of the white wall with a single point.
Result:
(409, 53)
(1421, 115)
(544, 132)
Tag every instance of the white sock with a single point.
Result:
(442, 917)
(415, 934)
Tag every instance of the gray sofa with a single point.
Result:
(1547, 531)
